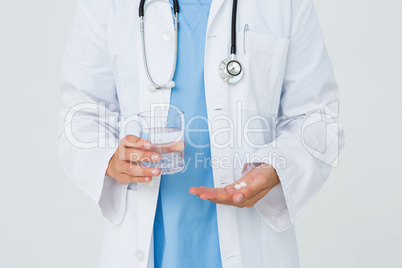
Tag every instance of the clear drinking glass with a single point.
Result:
(164, 127)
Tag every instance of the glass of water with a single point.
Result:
(164, 127)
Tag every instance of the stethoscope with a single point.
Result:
(230, 69)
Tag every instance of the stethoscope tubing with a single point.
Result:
(224, 72)
(141, 8)
(144, 54)
(233, 37)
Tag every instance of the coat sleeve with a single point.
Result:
(309, 136)
(88, 126)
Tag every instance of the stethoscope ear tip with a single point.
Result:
(151, 88)
(171, 84)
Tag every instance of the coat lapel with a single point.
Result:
(215, 6)
(165, 10)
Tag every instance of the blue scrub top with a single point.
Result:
(185, 227)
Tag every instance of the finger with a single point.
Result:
(263, 178)
(250, 202)
(223, 203)
(125, 179)
(136, 155)
(213, 194)
(226, 203)
(230, 188)
(136, 170)
(202, 189)
(197, 190)
(132, 141)
(255, 183)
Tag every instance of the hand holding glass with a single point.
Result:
(164, 128)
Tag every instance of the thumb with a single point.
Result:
(250, 186)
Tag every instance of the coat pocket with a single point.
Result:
(263, 58)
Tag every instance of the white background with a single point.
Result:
(356, 220)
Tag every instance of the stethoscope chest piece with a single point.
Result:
(230, 70)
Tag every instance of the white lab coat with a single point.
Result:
(287, 73)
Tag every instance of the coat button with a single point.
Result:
(139, 254)
(168, 36)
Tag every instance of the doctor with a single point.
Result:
(265, 59)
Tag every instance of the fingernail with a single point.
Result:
(147, 179)
(155, 157)
(147, 144)
(154, 172)
(239, 198)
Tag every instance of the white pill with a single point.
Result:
(243, 184)
(237, 186)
